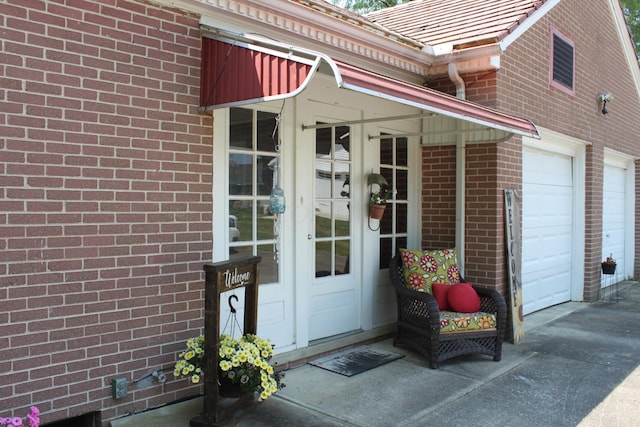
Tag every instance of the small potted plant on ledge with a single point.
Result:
(609, 265)
(243, 365)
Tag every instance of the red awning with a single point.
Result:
(242, 72)
(234, 73)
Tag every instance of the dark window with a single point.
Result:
(563, 62)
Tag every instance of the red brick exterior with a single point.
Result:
(523, 83)
(106, 195)
(105, 202)
(521, 86)
(439, 197)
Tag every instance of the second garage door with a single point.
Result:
(613, 219)
(547, 212)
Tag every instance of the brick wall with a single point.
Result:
(438, 197)
(521, 86)
(524, 88)
(105, 202)
(489, 169)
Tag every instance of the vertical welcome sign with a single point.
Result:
(514, 261)
(221, 277)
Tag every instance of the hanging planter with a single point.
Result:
(608, 268)
(376, 211)
(227, 388)
(609, 265)
(243, 365)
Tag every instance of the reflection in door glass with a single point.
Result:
(241, 213)
(252, 157)
(332, 201)
(268, 265)
(393, 227)
(323, 259)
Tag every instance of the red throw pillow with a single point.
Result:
(440, 291)
(463, 298)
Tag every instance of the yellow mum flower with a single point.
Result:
(190, 354)
(195, 379)
(225, 365)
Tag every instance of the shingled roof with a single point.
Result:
(462, 23)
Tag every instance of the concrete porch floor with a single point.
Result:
(578, 365)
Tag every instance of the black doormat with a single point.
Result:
(354, 361)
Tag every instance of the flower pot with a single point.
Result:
(376, 211)
(608, 268)
(228, 388)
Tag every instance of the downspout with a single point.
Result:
(460, 170)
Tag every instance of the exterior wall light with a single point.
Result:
(604, 98)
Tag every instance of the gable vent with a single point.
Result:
(563, 62)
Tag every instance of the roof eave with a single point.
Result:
(478, 58)
(303, 21)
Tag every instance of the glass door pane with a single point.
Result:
(332, 201)
(252, 173)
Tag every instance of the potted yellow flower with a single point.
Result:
(243, 365)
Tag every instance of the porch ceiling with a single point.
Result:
(246, 70)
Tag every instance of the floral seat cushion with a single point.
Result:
(453, 322)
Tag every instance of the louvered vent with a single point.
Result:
(562, 62)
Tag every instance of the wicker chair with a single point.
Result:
(418, 325)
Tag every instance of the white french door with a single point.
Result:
(328, 275)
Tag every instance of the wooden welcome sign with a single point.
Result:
(514, 257)
(221, 277)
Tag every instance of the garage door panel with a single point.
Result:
(548, 206)
(547, 229)
(548, 291)
(539, 165)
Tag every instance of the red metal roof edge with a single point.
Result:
(432, 100)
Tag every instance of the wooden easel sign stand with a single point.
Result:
(221, 277)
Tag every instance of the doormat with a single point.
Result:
(355, 360)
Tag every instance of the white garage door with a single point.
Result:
(613, 218)
(547, 200)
